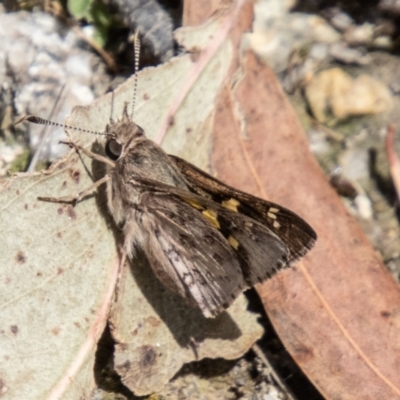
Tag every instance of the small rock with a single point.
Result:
(341, 52)
(42, 57)
(383, 42)
(359, 35)
(344, 187)
(319, 51)
(275, 39)
(8, 153)
(339, 19)
(364, 206)
(319, 144)
(335, 92)
(395, 87)
(354, 164)
(391, 6)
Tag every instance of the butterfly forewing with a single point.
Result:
(297, 235)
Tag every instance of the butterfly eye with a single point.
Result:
(113, 149)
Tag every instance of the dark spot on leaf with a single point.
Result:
(77, 324)
(59, 271)
(75, 175)
(59, 235)
(171, 121)
(61, 165)
(71, 212)
(26, 206)
(188, 130)
(55, 331)
(153, 321)
(38, 274)
(146, 97)
(194, 54)
(147, 357)
(134, 332)
(124, 347)
(14, 329)
(64, 184)
(17, 192)
(20, 258)
(304, 353)
(385, 314)
(60, 210)
(3, 387)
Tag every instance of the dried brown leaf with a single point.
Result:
(337, 311)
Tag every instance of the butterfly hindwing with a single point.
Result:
(201, 265)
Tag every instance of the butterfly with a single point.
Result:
(204, 240)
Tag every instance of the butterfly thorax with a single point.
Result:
(141, 160)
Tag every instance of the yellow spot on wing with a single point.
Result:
(231, 204)
(273, 210)
(233, 242)
(211, 217)
(276, 224)
(273, 216)
(193, 203)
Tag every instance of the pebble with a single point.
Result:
(334, 92)
(364, 206)
(42, 56)
(274, 39)
(359, 34)
(348, 55)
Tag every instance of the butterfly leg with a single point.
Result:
(77, 198)
(90, 154)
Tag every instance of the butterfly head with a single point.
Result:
(122, 136)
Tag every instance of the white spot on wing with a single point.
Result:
(183, 271)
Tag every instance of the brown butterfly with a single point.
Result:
(204, 240)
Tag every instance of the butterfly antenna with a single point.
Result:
(42, 121)
(136, 44)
